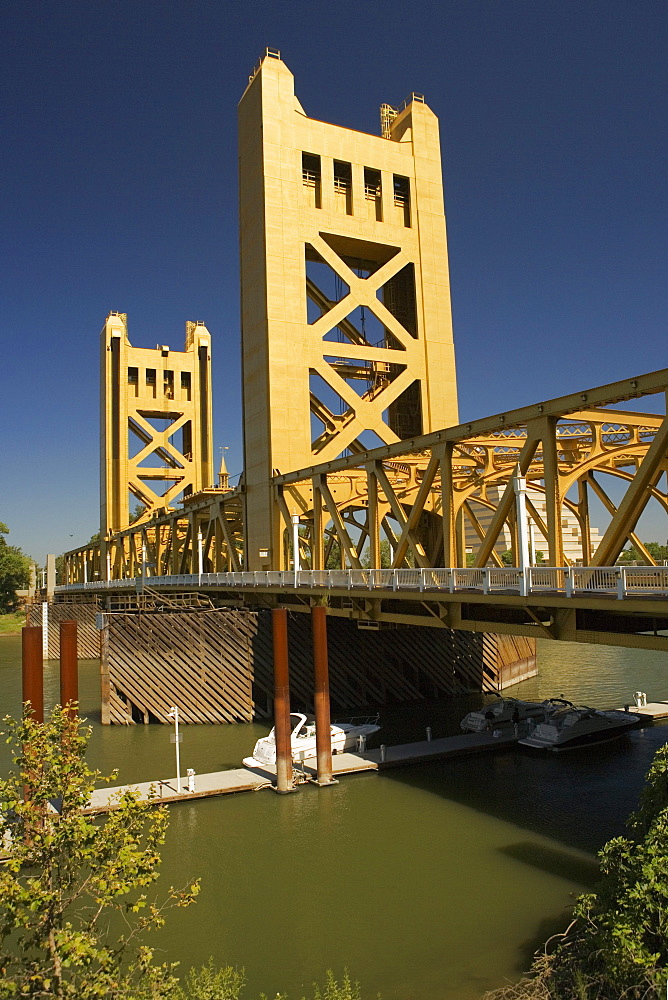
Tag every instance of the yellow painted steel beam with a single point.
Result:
(635, 499)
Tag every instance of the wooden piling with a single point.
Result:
(282, 728)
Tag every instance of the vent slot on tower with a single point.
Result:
(311, 179)
(402, 200)
(373, 194)
(343, 187)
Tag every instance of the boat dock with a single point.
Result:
(244, 779)
(652, 710)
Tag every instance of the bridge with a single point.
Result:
(363, 496)
(430, 496)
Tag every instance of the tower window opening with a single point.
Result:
(343, 185)
(402, 198)
(311, 178)
(169, 384)
(185, 380)
(373, 193)
(133, 376)
(150, 376)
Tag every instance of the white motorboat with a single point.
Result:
(503, 713)
(571, 727)
(345, 734)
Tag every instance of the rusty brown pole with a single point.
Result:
(323, 732)
(282, 728)
(33, 671)
(69, 667)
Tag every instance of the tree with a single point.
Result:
(14, 572)
(138, 511)
(66, 873)
(631, 555)
(385, 555)
(334, 557)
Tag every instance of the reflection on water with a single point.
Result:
(434, 881)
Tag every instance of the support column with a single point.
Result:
(317, 540)
(33, 671)
(585, 524)
(553, 492)
(282, 730)
(373, 522)
(69, 668)
(323, 732)
(460, 536)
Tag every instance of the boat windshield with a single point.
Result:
(566, 716)
(308, 732)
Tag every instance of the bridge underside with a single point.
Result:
(637, 621)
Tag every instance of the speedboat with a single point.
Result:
(571, 727)
(504, 712)
(345, 734)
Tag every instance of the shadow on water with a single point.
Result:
(554, 862)
(581, 798)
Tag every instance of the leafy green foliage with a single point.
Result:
(67, 875)
(211, 983)
(385, 555)
(631, 555)
(12, 623)
(14, 572)
(333, 557)
(332, 990)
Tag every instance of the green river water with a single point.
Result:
(434, 881)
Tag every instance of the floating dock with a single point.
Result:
(245, 779)
(653, 710)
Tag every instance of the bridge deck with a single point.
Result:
(252, 779)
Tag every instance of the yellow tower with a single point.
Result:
(155, 422)
(345, 295)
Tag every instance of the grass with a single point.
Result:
(12, 624)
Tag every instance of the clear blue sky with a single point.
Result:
(119, 192)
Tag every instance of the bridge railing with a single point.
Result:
(645, 579)
(546, 578)
(614, 581)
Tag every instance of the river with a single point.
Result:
(434, 881)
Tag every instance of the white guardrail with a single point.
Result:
(618, 581)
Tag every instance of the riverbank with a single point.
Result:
(12, 624)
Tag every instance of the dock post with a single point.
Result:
(33, 671)
(282, 728)
(69, 668)
(323, 731)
